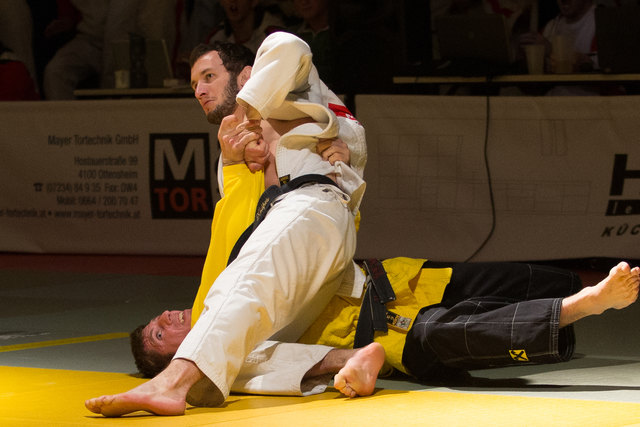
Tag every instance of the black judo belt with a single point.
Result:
(374, 315)
(268, 199)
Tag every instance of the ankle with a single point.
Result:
(591, 302)
(182, 373)
(579, 306)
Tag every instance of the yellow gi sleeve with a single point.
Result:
(232, 215)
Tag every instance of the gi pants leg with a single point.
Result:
(493, 315)
(277, 368)
(285, 274)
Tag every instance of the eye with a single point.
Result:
(159, 335)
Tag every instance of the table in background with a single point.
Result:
(150, 92)
(423, 83)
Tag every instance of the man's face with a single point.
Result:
(164, 333)
(573, 10)
(214, 87)
(309, 9)
(238, 10)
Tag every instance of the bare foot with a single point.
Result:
(137, 399)
(359, 374)
(163, 395)
(619, 289)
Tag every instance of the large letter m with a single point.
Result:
(194, 151)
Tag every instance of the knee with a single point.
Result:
(420, 355)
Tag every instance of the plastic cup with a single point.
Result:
(122, 79)
(563, 53)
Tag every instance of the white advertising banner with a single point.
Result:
(110, 176)
(137, 177)
(564, 175)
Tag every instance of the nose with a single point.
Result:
(200, 89)
(166, 316)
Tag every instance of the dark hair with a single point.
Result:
(149, 363)
(234, 56)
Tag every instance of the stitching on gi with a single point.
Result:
(554, 330)
(466, 341)
(424, 331)
(513, 322)
(530, 355)
(530, 281)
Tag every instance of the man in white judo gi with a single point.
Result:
(297, 258)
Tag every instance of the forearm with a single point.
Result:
(285, 62)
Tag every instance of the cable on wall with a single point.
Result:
(488, 171)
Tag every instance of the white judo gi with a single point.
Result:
(301, 255)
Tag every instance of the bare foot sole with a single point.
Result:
(358, 376)
(135, 400)
(620, 288)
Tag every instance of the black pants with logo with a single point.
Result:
(492, 315)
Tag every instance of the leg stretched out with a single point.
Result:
(356, 373)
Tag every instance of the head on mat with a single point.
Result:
(154, 344)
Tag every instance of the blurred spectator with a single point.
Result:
(516, 12)
(576, 22)
(195, 19)
(88, 58)
(85, 57)
(517, 15)
(15, 82)
(315, 30)
(247, 22)
(159, 19)
(54, 24)
(570, 45)
(16, 28)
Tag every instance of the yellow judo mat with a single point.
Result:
(49, 397)
(59, 327)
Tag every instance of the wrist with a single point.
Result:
(229, 162)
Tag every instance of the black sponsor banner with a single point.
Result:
(180, 176)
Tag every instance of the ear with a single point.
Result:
(244, 76)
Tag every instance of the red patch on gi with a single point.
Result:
(342, 111)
